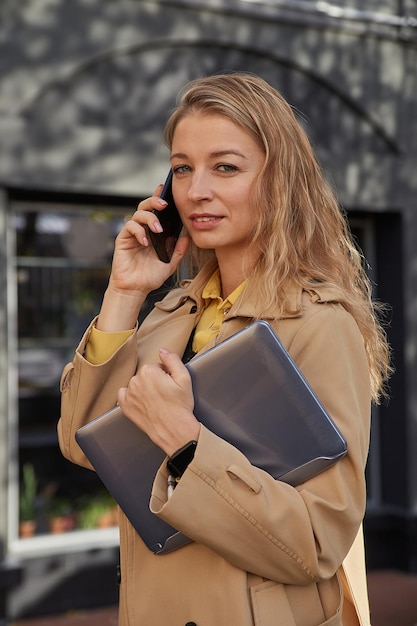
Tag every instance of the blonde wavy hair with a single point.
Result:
(300, 234)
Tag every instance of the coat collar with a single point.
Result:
(189, 295)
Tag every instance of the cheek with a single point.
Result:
(241, 205)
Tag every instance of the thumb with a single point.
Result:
(173, 364)
(181, 248)
(168, 359)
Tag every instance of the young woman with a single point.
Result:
(268, 241)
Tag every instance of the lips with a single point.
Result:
(204, 221)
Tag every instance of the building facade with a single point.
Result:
(85, 88)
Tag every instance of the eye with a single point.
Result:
(181, 169)
(227, 168)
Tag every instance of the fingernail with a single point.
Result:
(145, 240)
(163, 351)
(162, 202)
(158, 227)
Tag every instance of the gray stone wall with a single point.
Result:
(86, 86)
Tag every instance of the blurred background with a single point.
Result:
(85, 88)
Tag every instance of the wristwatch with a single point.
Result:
(180, 460)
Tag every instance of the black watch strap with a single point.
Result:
(180, 460)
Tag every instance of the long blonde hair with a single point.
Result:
(300, 234)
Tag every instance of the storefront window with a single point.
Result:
(61, 267)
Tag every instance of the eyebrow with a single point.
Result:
(216, 154)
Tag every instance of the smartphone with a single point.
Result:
(164, 243)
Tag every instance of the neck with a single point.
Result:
(231, 275)
(231, 266)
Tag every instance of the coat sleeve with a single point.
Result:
(267, 527)
(89, 390)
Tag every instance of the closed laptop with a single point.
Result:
(248, 391)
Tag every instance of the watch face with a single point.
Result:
(180, 460)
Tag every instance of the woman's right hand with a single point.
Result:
(136, 269)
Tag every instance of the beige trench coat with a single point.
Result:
(264, 553)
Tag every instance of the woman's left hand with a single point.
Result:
(159, 400)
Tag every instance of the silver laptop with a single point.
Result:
(248, 391)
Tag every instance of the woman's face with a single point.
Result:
(215, 164)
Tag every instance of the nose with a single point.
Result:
(200, 188)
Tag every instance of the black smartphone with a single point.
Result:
(164, 243)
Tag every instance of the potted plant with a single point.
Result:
(27, 501)
(61, 515)
(97, 511)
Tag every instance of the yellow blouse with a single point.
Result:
(215, 309)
